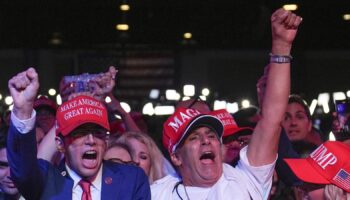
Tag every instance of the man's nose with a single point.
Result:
(205, 139)
(90, 139)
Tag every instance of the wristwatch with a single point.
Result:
(280, 59)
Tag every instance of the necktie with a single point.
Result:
(85, 186)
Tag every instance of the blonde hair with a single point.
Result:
(332, 192)
(156, 156)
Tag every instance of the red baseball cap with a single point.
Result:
(44, 101)
(230, 125)
(180, 124)
(80, 110)
(328, 164)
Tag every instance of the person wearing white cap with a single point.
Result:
(193, 139)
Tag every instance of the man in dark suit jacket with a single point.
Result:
(81, 128)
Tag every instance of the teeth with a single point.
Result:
(90, 152)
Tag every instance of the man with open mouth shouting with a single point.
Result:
(193, 139)
(81, 130)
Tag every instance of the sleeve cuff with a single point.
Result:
(23, 126)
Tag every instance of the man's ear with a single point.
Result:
(176, 159)
(59, 144)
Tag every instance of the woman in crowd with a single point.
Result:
(146, 154)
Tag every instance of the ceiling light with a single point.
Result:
(290, 7)
(346, 17)
(122, 27)
(124, 7)
(187, 35)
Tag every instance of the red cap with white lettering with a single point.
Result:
(328, 164)
(230, 125)
(182, 122)
(78, 111)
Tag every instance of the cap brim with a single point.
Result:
(202, 120)
(69, 129)
(239, 131)
(305, 171)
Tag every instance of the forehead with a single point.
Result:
(295, 107)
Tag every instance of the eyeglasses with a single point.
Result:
(97, 133)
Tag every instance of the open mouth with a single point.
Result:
(207, 157)
(90, 155)
(90, 159)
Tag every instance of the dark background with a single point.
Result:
(230, 45)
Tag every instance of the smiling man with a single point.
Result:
(194, 139)
(81, 130)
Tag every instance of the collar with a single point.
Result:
(97, 183)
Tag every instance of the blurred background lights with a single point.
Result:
(290, 7)
(148, 109)
(164, 110)
(189, 90)
(58, 99)
(232, 107)
(205, 92)
(125, 106)
(313, 106)
(154, 94)
(245, 103)
(187, 35)
(172, 95)
(219, 104)
(52, 92)
(185, 98)
(108, 99)
(124, 7)
(339, 96)
(346, 17)
(331, 136)
(8, 100)
(122, 27)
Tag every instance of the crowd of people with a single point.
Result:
(80, 151)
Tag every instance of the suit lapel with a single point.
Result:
(110, 187)
(66, 182)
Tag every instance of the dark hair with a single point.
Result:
(293, 98)
(3, 136)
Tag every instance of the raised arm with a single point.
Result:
(264, 143)
(21, 148)
(23, 88)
